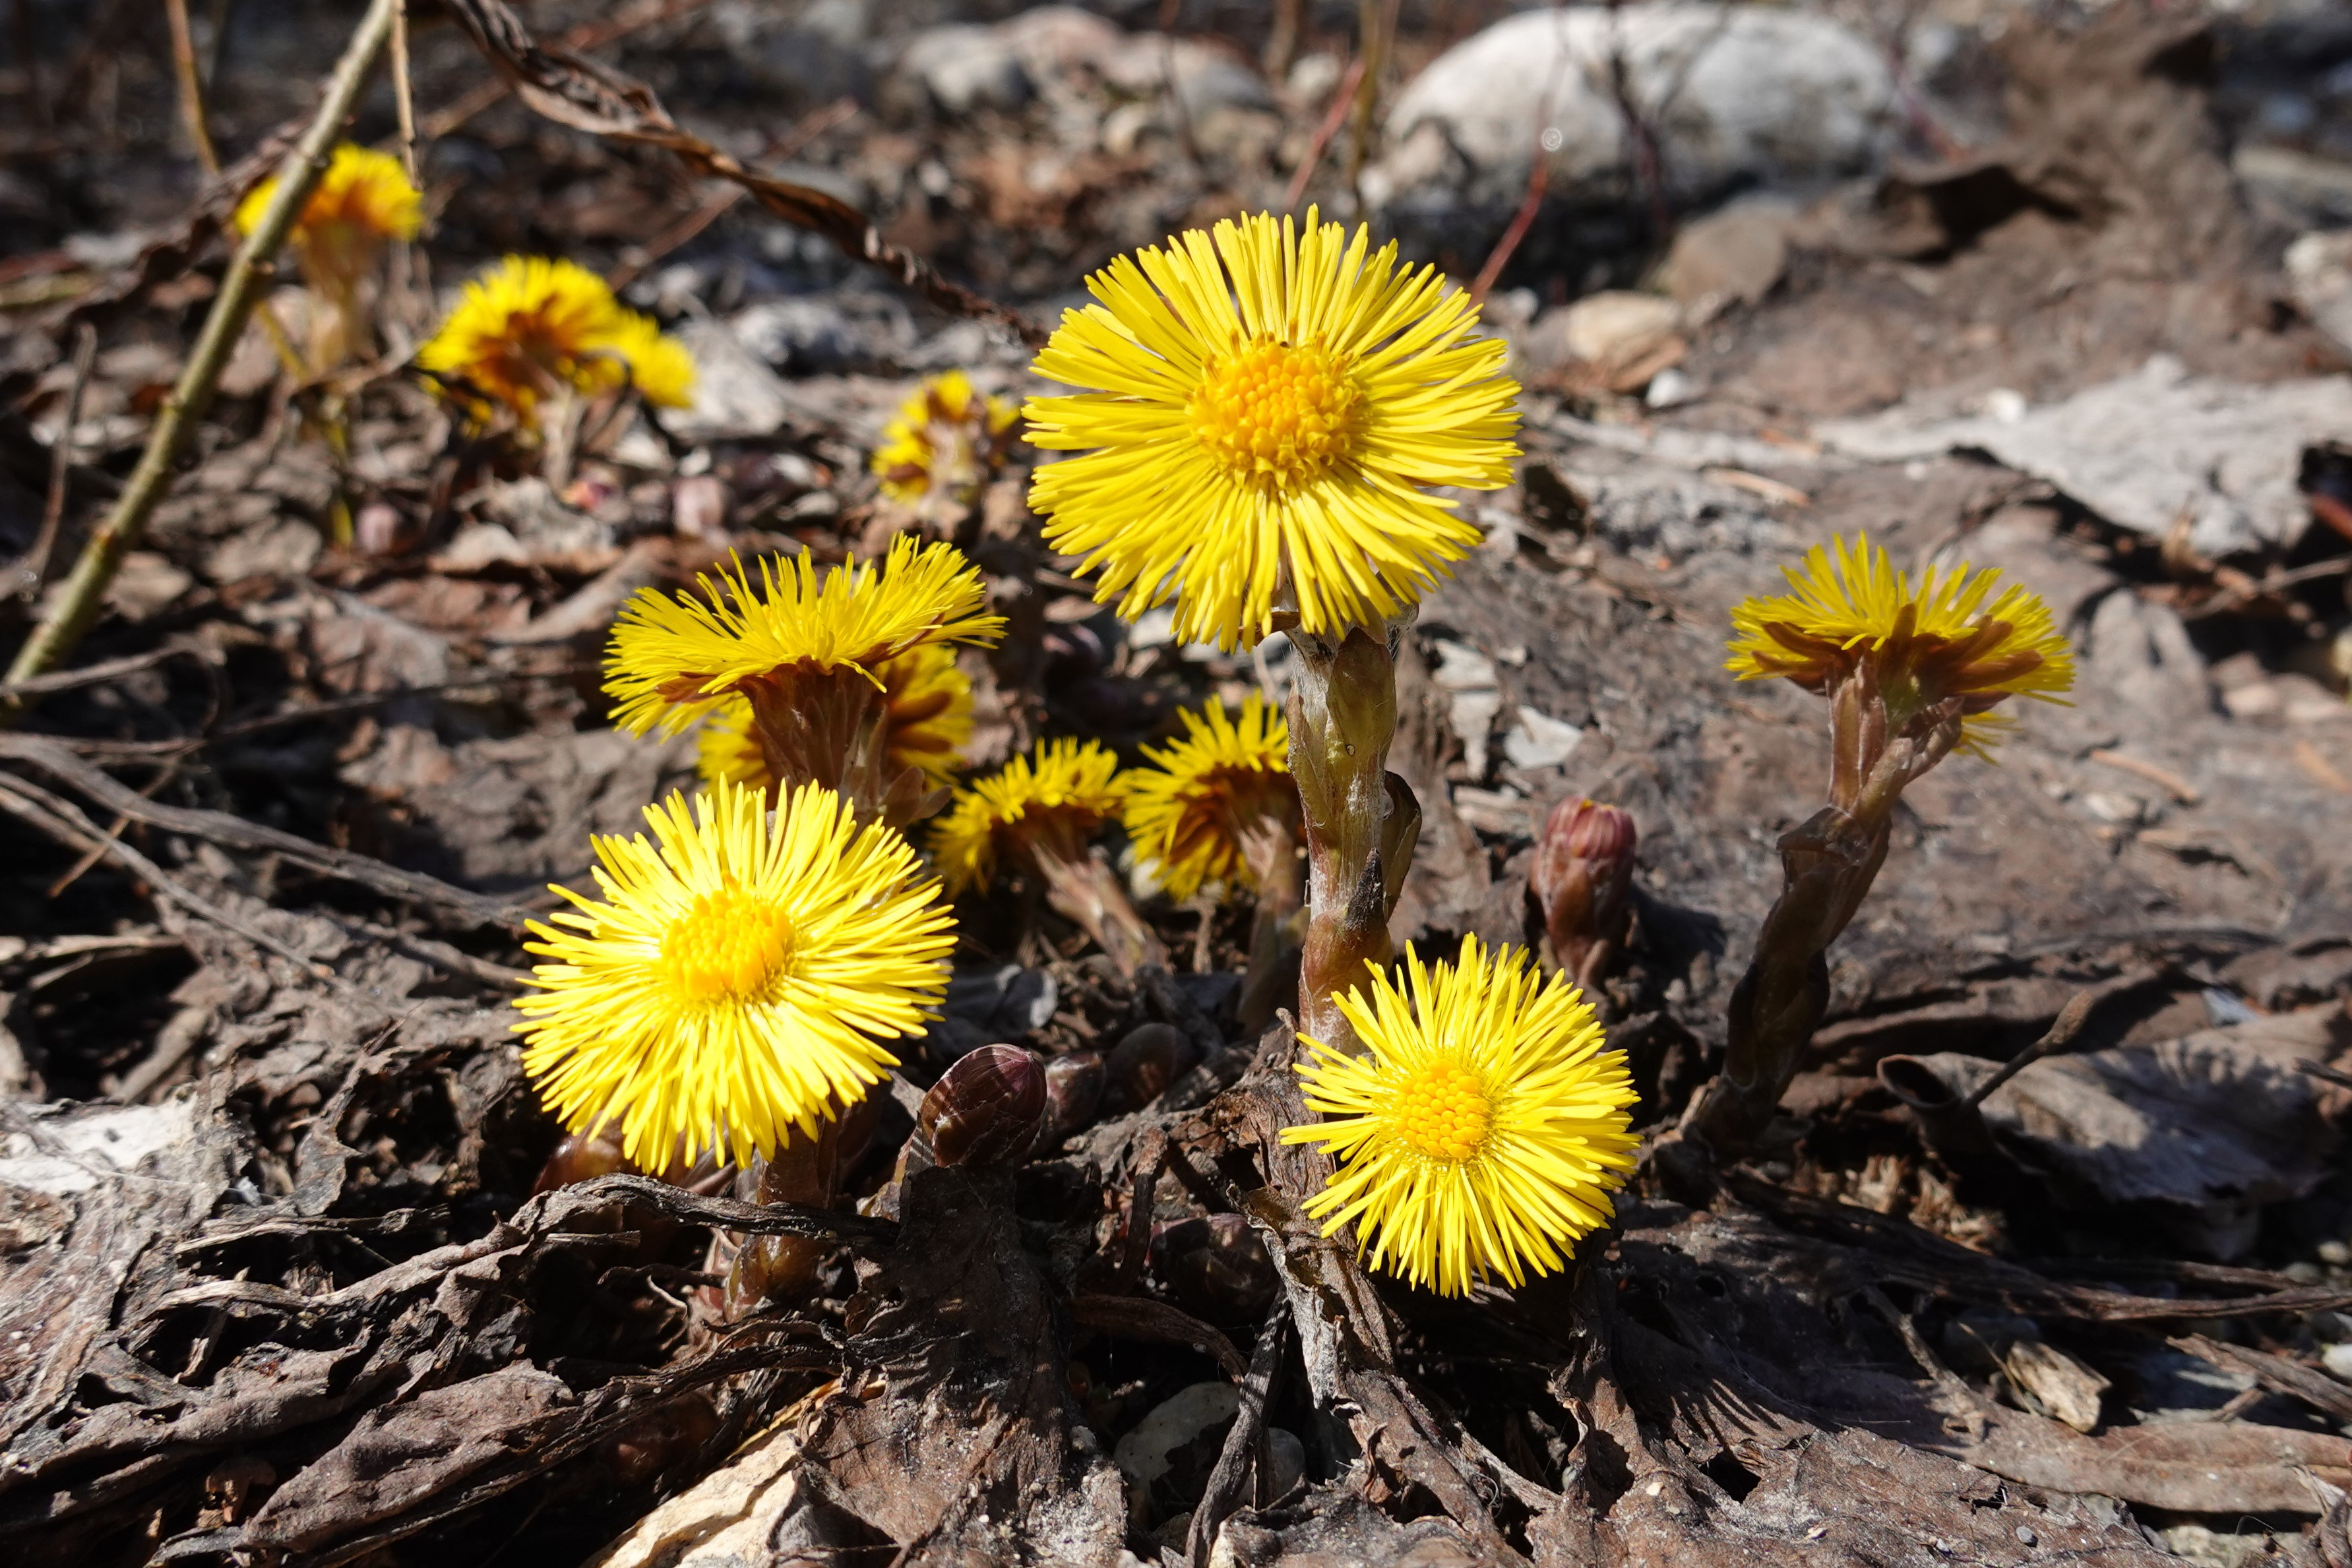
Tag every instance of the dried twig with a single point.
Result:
(596, 98)
(176, 426)
(192, 89)
(218, 827)
(1332, 120)
(34, 569)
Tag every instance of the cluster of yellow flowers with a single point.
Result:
(532, 328)
(1264, 411)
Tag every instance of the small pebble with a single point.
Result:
(2025, 1536)
(2338, 1359)
(2335, 1254)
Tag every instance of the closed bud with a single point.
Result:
(583, 1156)
(1142, 1065)
(1215, 1268)
(1582, 874)
(1074, 1093)
(986, 1110)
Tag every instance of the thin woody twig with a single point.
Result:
(586, 96)
(176, 426)
(1332, 120)
(34, 569)
(403, 99)
(192, 89)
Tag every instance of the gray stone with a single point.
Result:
(1733, 93)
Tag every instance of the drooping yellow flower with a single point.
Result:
(737, 976)
(927, 722)
(532, 325)
(1483, 1130)
(1188, 810)
(1269, 407)
(1058, 799)
(947, 442)
(672, 658)
(364, 199)
(1938, 640)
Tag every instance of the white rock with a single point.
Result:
(735, 396)
(1748, 91)
(1670, 388)
(2319, 272)
(964, 67)
(1539, 740)
(2338, 1359)
(1615, 327)
(1142, 1455)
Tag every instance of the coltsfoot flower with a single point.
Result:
(947, 442)
(737, 978)
(1190, 811)
(1053, 802)
(531, 328)
(1939, 640)
(672, 658)
(1483, 1131)
(926, 722)
(1267, 407)
(363, 200)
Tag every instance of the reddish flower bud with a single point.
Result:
(1582, 874)
(986, 1110)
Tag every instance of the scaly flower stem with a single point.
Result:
(1828, 864)
(812, 1173)
(1086, 892)
(1362, 822)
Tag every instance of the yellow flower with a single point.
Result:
(1270, 407)
(1187, 810)
(947, 439)
(671, 658)
(1938, 640)
(926, 720)
(1483, 1131)
(736, 978)
(530, 325)
(364, 199)
(1061, 798)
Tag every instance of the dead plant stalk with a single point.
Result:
(249, 272)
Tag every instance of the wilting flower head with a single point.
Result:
(1269, 405)
(1484, 1128)
(926, 722)
(737, 976)
(1058, 799)
(530, 325)
(946, 442)
(1188, 810)
(365, 199)
(671, 658)
(1925, 644)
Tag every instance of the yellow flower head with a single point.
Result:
(530, 325)
(1939, 640)
(1187, 810)
(926, 720)
(947, 440)
(365, 199)
(1067, 791)
(736, 978)
(1269, 405)
(1484, 1128)
(672, 658)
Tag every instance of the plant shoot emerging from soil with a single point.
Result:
(1482, 1131)
(736, 978)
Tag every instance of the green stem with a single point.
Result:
(249, 272)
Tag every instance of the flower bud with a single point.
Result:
(986, 1110)
(1582, 873)
(1215, 1268)
(1074, 1093)
(1143, 1065)
(583, 1156)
